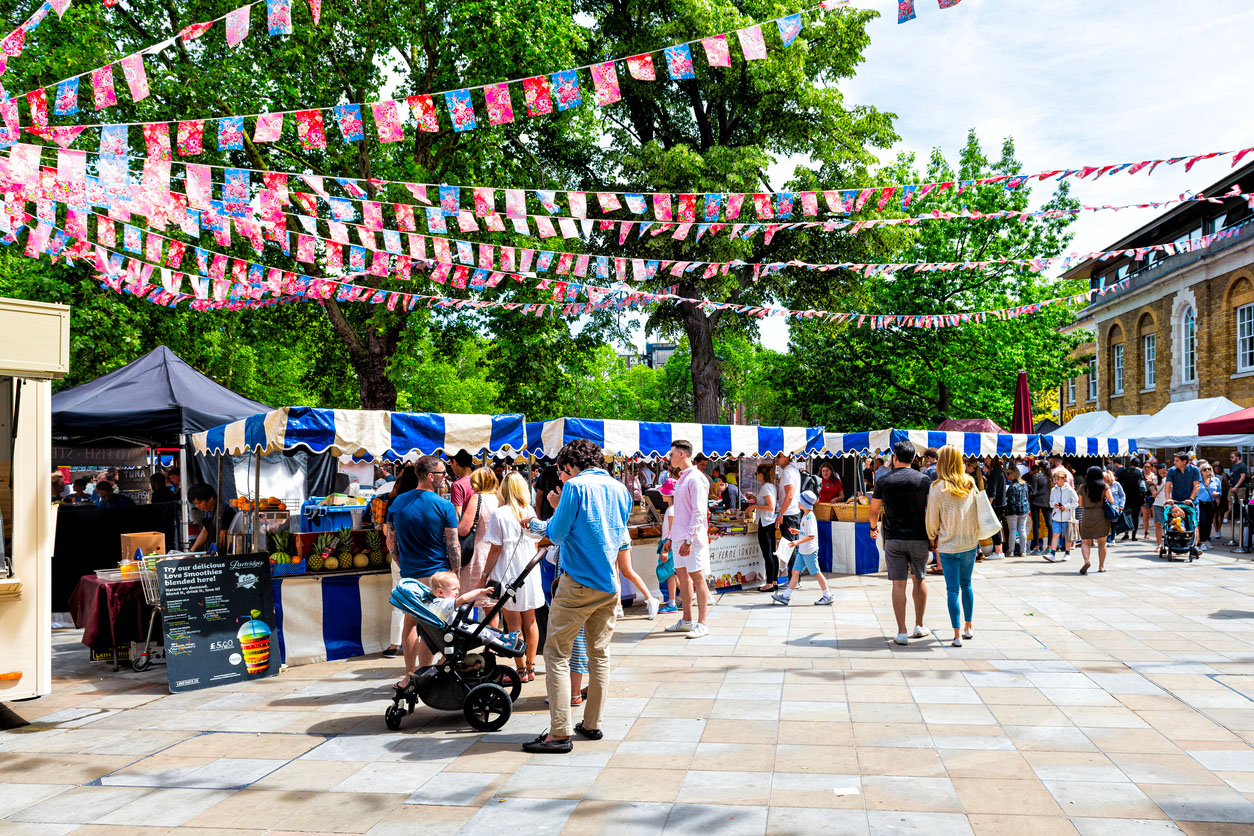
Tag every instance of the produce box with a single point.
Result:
(825, 511)
(146, 541)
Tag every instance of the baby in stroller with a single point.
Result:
(446, 587)
(1180, 525)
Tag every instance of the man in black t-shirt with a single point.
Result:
(901, 499)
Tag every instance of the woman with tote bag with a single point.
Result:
(958, 516)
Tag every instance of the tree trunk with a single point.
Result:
(706, 389)
(369, 356)
(377, 390)
(944, 401)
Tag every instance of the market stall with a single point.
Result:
(852, 544)
(331, 585)
(735, 557)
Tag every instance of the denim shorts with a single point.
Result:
(1058, 527)
(806, 563)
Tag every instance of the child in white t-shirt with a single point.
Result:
(807, 545)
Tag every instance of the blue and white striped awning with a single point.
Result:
(977, 444)
(647, 438)
(363, 433)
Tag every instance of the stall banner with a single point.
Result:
(327, 617)
(735, 561)
(218, 620)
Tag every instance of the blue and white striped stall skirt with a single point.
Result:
(326, 617)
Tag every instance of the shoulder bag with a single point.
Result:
(467, 543)
(987, 522)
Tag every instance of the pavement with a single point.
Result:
(1115, 704)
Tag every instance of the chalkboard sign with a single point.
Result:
(218, 620)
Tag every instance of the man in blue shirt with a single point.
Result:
(1185, 480)
(422, 533)
(589, 524)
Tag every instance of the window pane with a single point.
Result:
(1150, 352)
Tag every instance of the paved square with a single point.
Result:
(1120, 703)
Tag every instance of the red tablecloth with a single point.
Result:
(109, 612)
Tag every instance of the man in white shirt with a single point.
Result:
(788, 520)
(691, 530)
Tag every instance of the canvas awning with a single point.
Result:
(978, 444)
(364, 433)
(1234, 423)
(647, 438)
(1176, 425)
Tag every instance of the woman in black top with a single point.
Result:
(1132, 479)
(1038, 497)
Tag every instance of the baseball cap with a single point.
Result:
(808, 499)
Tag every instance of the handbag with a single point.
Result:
(467, 543)
(986, 518)
(1112, 513)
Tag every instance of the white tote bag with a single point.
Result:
(988, 522)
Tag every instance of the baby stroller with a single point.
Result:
(467, 678)
(1179, 542)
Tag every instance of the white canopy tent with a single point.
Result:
(1087, 424)
(1125, 426)
(1175, 425)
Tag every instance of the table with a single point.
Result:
(110, 613)
(328, 616)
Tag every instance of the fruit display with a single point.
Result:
(324, 547)
(378, 556)
(282, 548)
(271, 503)
(344, 554)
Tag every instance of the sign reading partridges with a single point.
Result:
(218, 620)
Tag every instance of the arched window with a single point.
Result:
(1115, 339)
(1149, 352)
(1188, 346)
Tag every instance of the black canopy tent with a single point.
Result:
(160, 401)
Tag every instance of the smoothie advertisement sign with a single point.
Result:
(218, 620)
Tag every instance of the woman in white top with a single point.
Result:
(1160, 502)
(479, 509)
(1062, 503)
(953, 525)
(509, 553)
(764, 503)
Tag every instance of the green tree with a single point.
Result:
(856, 378)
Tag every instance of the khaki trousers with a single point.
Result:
(575, 606)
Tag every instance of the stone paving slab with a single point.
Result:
(1107, 705)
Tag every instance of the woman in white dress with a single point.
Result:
(479, 510)
(509, 553)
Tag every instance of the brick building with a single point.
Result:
(1184, 327)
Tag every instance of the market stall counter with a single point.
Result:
(110, 611)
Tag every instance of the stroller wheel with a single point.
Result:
(507, 678)
(143, 663)
(392, 717)
(487, 707)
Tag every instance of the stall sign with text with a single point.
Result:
(735, 560)
(218, 620)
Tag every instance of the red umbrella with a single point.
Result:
(1022, 422)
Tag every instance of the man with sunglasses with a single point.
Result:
(422, 533)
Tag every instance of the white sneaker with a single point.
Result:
(966, 634)
(680, 626)
(652, 606)
(824, 600)
(1052, 557)
(1065, 557)
(618, 611)
(698, 630)
(780, 598)
(920, 632)
(902, 638)
(957, 642)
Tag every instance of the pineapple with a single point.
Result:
(324, 544)
(285, 547)
(374, 545)
(344, 555)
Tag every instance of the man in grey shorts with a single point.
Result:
(900, 498)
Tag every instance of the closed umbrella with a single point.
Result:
(1022, 422)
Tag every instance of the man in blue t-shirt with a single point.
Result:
(422, 533)
(1185, 479)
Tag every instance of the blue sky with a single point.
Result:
(1075, 82)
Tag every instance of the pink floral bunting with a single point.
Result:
(136, 78)
(37, 100)
(191, 33)
(641, 67)
(102, 87)
(269, 127)
(157, 141)
(315, 10)
(237, 23)
(387, 122)
(751, 43)
(191, 138)
(716, 51)
(605, 81)
(500, 105)
(63, 135)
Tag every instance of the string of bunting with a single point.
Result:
(70, 184)
(14, 43)
(47, 188)
(906, 10)
(104, 93)
(248, 283)
(542, 94)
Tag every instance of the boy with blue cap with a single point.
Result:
(807, 545)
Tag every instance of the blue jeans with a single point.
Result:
(958, 569)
